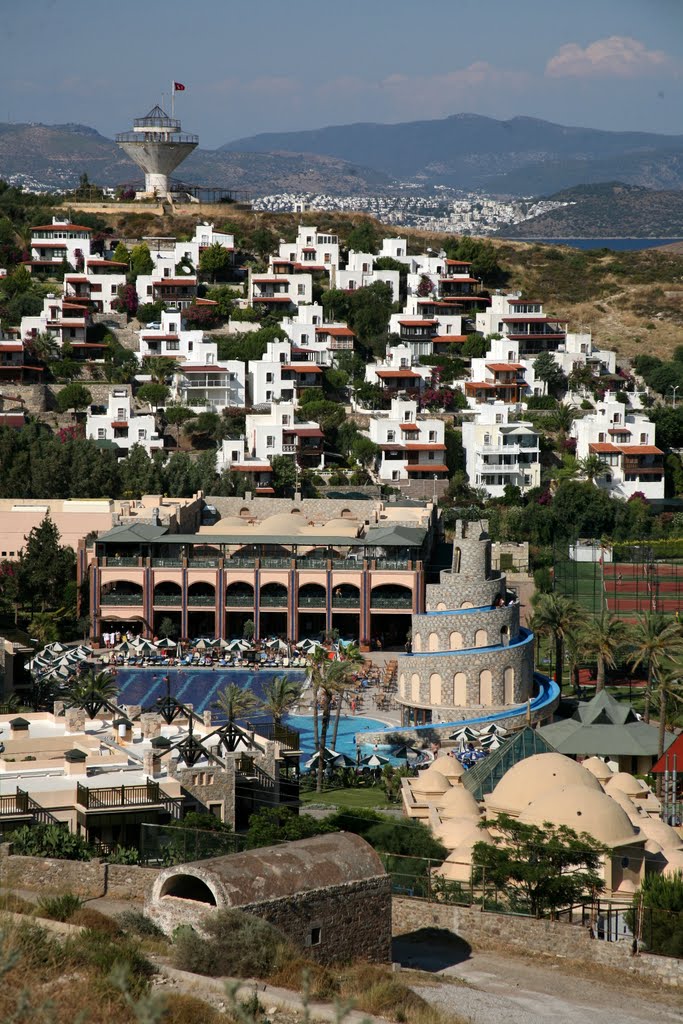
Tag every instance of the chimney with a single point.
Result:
(75, 762)
(75, 719)
(18, 728)
(151, 726)
(124, 729)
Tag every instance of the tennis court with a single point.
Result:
(622, 588)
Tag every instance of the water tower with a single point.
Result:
(157, 145)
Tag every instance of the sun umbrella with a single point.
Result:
(201, 645)
(239, 645)
(126, 646)
(166, 644)
(493, 729)
(405, 753)
(277, 645)
(329, 757)
(374, 761)
(56, 647)
(465, 733)
(309, 645)
(223, 644)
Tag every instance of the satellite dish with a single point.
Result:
(186, 270)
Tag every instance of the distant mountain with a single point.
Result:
(55, 156)
(522, 156)
(611, 210)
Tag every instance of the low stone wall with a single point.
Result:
(572, 942)
(87, 879)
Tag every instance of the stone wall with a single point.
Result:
(87, 879)
(572, 942)
(456, 591)
(435, 631)
(33, 397)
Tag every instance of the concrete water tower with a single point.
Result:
(157, 145)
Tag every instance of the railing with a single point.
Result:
(246, 767)
(346, 602)
(39, 813)
(273, 600)
(201, 600)
(121, 599)
(167, 563)
(276, 563)
(312, 600)
(311, 563)
(240, 563)
(348, 564)
(168, 600)
(391, 563)
(120, 560)
(120, 796)
(12, 805)
(239, 600)
(391, 602)
(204, 563)
(289, 449)
(286, 737)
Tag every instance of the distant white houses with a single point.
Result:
(280, 376)
(624, 441)
(59, 242)
(412, 446)
(280, 431)
(117, 424)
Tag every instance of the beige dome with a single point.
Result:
(449, 767)
(452, 833)
(626, 783)
(658, 830)
(626, 804)
(458, 802)
(597, 767)
(430, 784)
(583, 810)
(458, 865)
(530, 778)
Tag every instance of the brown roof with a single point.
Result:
(409, 426)
(503, 367)
(60, 227)
(603, 448)
(426, 467)
(303, 368)
(412, 447)
(397, 374)
(640, 449)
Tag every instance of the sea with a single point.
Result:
(618, 244)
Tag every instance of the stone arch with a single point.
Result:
(504, 635)
(460, 688)
(456, 641)
(415, 687)
(509, 684)
(435, 687)
(188, 887)
(467, 604)
(457, 558)
(441, 607)
(481, 638)
(434, 642)
(417, 643)
(485, 688)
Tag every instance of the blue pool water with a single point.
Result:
(200, 686)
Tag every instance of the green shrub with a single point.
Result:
(235, 944)
(59, 908)
(124, 855)
(541, 402)
(49, 841)
(103, 952)
(543, 580)
(139, 924)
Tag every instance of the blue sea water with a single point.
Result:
(200, 686)
(618, 244)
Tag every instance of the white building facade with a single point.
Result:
(501, 450)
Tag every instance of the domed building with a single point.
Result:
(532, 778)
(470, 655)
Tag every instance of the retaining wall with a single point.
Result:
(573, 942)
(87, 879)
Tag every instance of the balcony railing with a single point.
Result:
(273, 600)
(391, 602)
(239, 600)
(121, 599)
(346, 602)
(240, 562)
(120, 796)
(201, 600)
(391, 563)
(167, 563)
(311, 563)
(276, 563)
(312, 600)
(289, 449)
(210, 562)
(121, 560)
(168, 600)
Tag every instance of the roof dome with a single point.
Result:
(430, 784)
(458, 865)
(584, 810)
(458, 802)
(667, 837)
(626, 783)
(626, 804)
(597, 767)
(452, 833)
(448, 766)
(530, 778)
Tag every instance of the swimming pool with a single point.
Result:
(200, 687)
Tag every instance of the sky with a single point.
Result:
(282, 65)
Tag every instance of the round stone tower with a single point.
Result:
(157, 145)
(469, 655)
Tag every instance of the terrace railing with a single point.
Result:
(201, 600)
(391, 602)
(239, 600)
(121, 599)
(273, 600)
(312, 600)
(346, 602)
(168, 600)
(122, 796)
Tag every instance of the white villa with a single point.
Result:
(625, 442)
(118, 424)
(501, 450)
(412, 446)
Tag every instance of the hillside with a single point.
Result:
(522, 156)
(612, 210)
(57, 155)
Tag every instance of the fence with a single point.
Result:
(635, 582)
(164, 845)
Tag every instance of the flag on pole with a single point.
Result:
(178, 87)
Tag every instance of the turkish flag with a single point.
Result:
(178, 87)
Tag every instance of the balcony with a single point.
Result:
(391, 563)
(167, 563)
(204, 563)
(273, 600)
(105, 798)
(168, 600)
(122, 561)
(121, 599)
(289, 449)
(311, 563)
(312, 600)
(201, 600)
(239, 600)
(240, 562)
(391, 602)
(276, 563)
(346, 602)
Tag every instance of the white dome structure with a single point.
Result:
(455, 831)
(529, 779)
(597, 767)
(429, 784)
(448, 766)
(458, 802)
(627, 784)
(657, 830)
(634, 814)
(458, 865)
(584, 810)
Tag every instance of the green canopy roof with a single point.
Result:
(605, 727)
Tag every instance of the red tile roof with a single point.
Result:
(409, 426)
(336, 332)
(449, 338)
(619, 430)
(426, 447)
(397, 374)
(302, 368)
(61, 227)
(602, 448)
(502, 367)
(474, 384)
(306, 431)
(48, 245)
(426, 467)
(640, 449)
(418, 323)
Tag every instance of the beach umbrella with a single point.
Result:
(329, 757)
(166, 644)
(56, 647)
(239, 645)
(405, 753)
(126, 647)
(223, 644)
(465, 733)
(277, 645)
(309, 645)
(493, 729)
(490, 743)
(374, 761)
(202, 645)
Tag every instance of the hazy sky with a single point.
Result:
(270, 65)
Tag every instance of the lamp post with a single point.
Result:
(674, 389)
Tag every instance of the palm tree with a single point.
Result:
(669, 690)
(159, 368)
(592, 467)
(602, 637)
(280, 697)
(653, 638)
(92, 691)
(562, 419)
(560, 618)
(352, 655)
(235, 702)
(328, 679)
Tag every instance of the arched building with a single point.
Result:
(469, 652)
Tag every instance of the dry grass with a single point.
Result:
(184, 1009)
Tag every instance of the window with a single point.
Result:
(101, 432)
(172, 328)
(499, 417)
(601, 436)
(269, 396)
(270, 441)
(142, 435)
(269, 378)
(285, 418)
(301, 289)
(316, 936)
(234, 457)
(430, 456)
(114, 289)
(217, 811)
(643, 438)
(395, 475)
(120, 413)
(432, 435)
(172, 346)
(391, 435)
(304, 339)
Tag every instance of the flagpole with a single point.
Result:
(172, 99)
